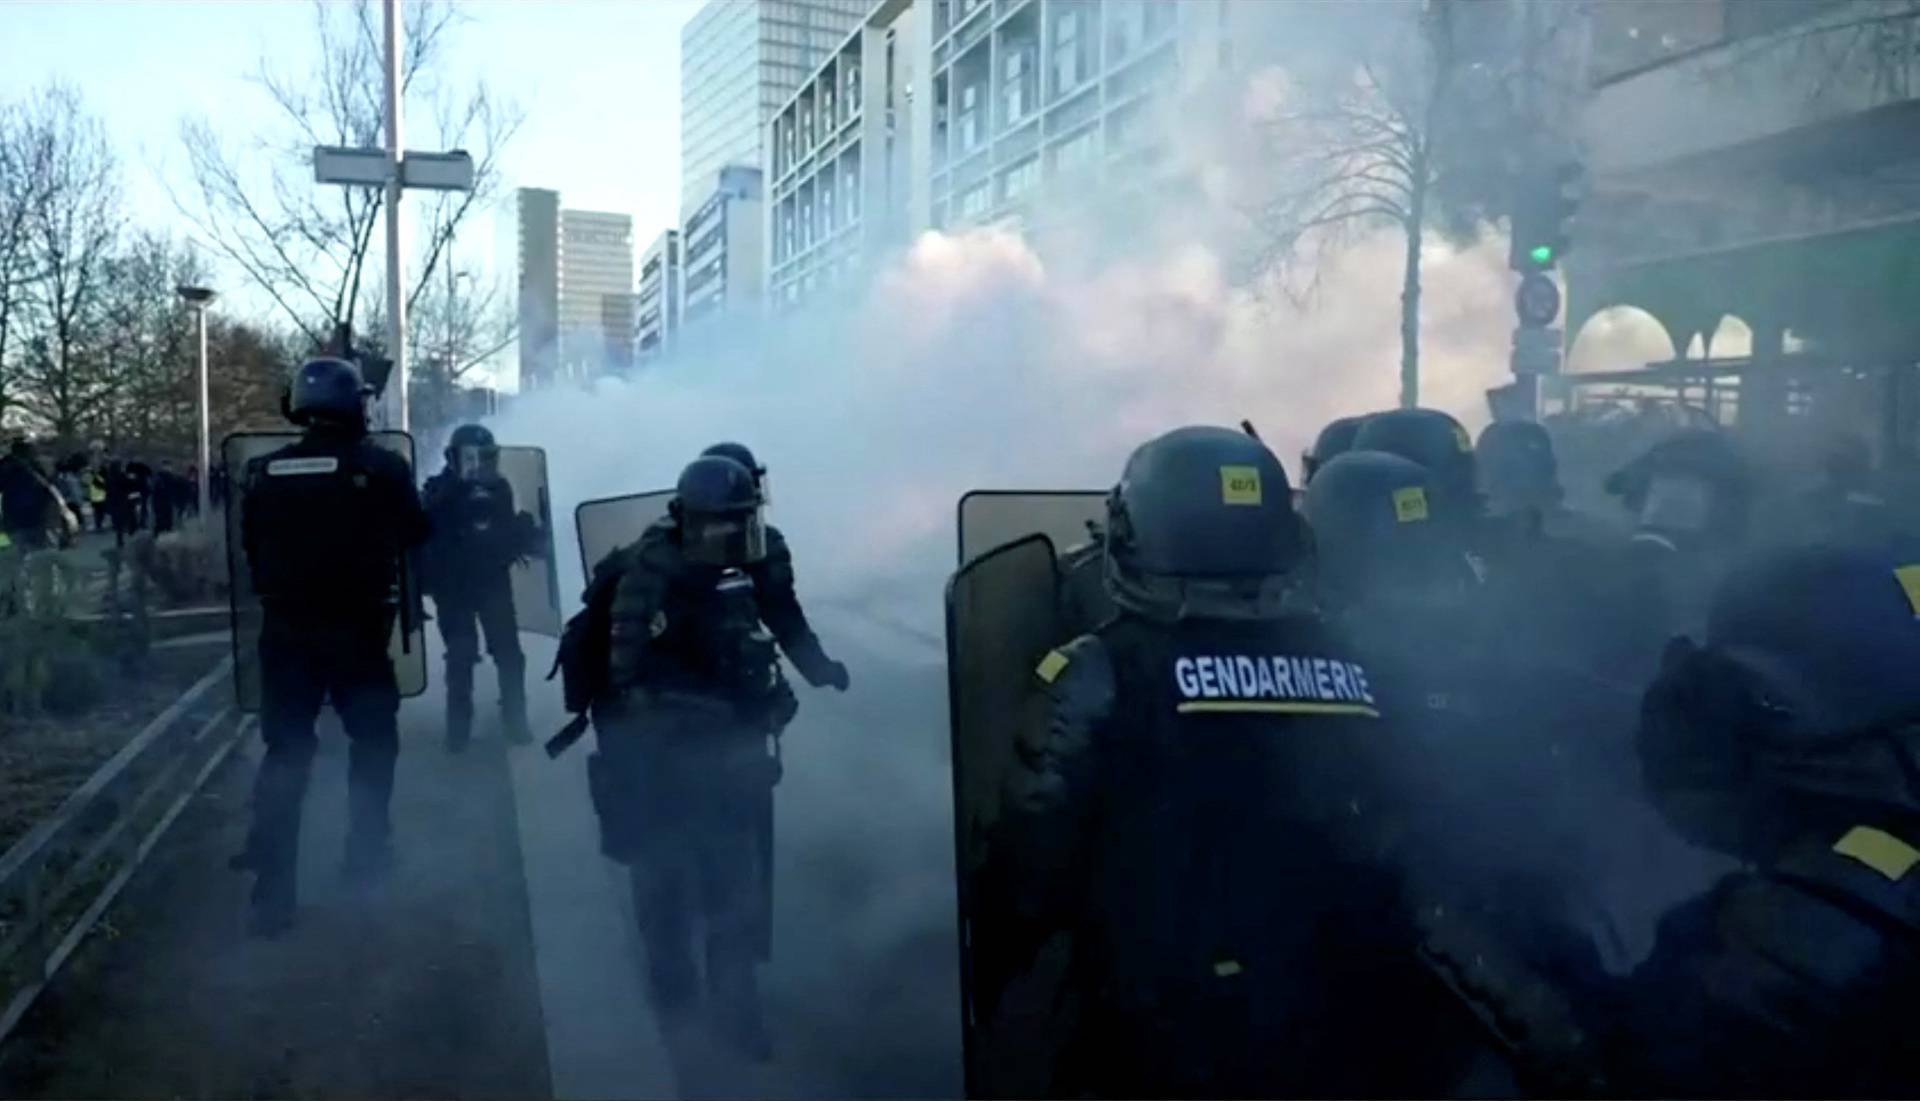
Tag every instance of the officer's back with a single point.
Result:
(326, 519)
(1199, 810)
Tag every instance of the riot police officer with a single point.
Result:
(1520, 481)
(325, 526)
(1334, 440)
(1199, 810)
(693, 692)
(1436, 441)
(1790, 740)
(478, 535)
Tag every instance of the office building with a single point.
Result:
(657, 305)
(739, 61)
(537, 264)
(575, 277)
(843, 160)
(724, 248)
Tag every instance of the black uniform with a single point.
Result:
(1205, 812)
(684, 773)
(325, 526)
(477, 537)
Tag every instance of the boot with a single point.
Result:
(736, 1008)
(271, 904)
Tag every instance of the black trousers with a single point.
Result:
(697, 789)
(308, 658)
(465, 616)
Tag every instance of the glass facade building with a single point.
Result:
(740, 60)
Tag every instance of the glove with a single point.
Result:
(834, 676)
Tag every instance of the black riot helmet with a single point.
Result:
(1517, 466)
(718, 509)
(1334, 440)
(1802, 702)
(740, 453)
(1434, 440)
(1690, 489)
(472, 453)
(330, 392)
(1202, 526)
(1378, 532)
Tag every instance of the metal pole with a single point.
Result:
(396, 292)
(206, 449)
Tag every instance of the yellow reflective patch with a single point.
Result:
(1273, 707)
(1240, 485)
(1909, 578)
(1879, 850)
(1460, 437)
(1227, 969)
(1051, 666)
(1410, 504)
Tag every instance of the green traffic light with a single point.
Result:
(1541, 254)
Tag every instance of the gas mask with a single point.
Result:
(476, 464)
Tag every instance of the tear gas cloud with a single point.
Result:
(985, 358)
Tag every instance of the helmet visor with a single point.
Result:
(477, 464)
(725, 538)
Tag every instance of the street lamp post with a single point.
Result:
(197, 299)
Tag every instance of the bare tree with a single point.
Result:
(309, 246)
(26, 159)
(459, 325)
(71, 236)
(1388, 122)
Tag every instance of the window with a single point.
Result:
(1125, 21)
(807, 136)
(850, 187)
(970, 117)
(974, 202)
(829, 122)
(793, 152)
(852, 97)
(1067, 50)
(786, 230)
(1021, 178)
(1019, 83)
(1076, 153)
(826, 204)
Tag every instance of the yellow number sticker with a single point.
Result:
(1909, 578)
(1240, 485)
(1410, 504)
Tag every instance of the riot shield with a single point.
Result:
(536, 581)
(992, 517)
(609, 523)
(408, 647)
(1002, 618)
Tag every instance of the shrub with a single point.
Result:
(46, 665)
(188, 567)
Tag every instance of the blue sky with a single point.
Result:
(598, 80)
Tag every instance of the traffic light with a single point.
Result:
(1544, 203)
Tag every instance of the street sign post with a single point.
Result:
(1536, 351)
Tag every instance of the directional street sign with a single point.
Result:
(1537, 301)
(339, 164)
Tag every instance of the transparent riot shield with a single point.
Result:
(993, 517)
(408, 647)
(609, 523)
(1002, 618)
(536, 581)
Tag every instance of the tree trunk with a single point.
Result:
(1410, 302)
